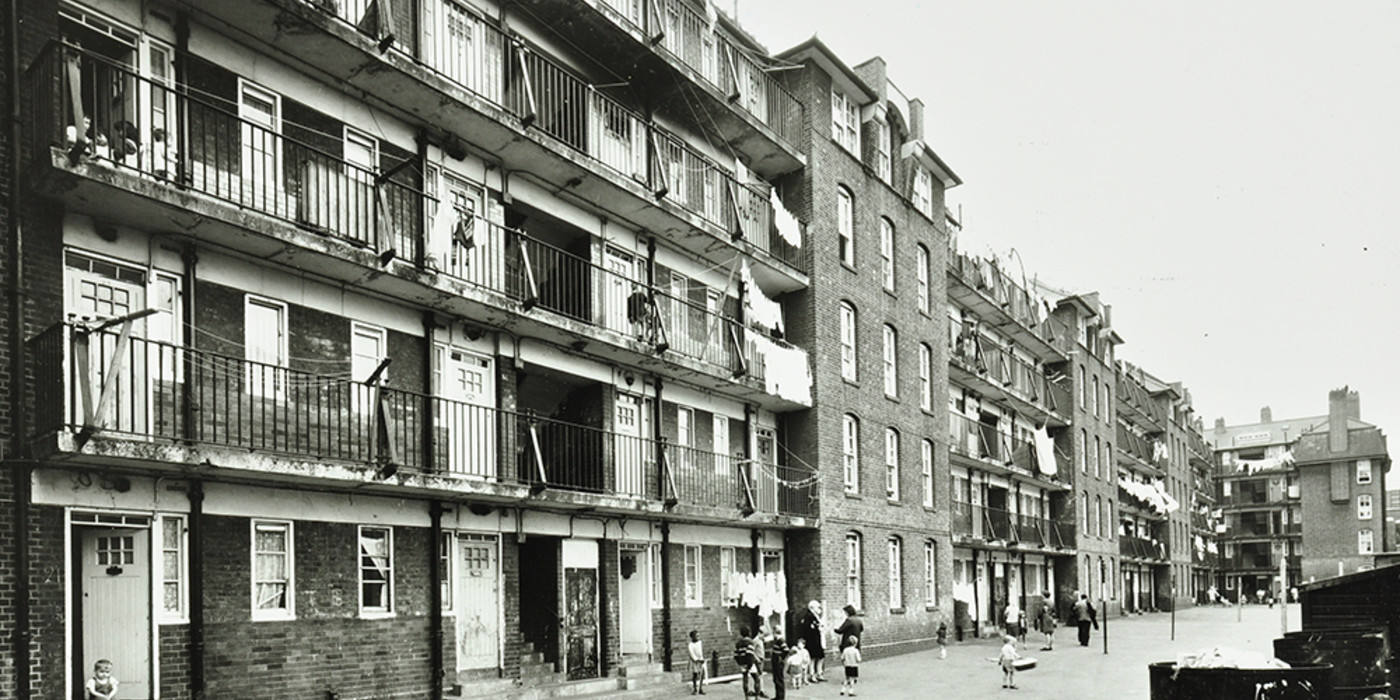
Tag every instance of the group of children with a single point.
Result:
(794, 663)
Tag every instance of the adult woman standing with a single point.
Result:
(810, 627)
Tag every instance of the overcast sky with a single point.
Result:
(1226, 174)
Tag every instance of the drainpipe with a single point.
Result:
(18, 426)
(197, 680)
(187, 388)
(182, 79)
(435, 600)
(666, 596)
(426, 432)
(656, 434)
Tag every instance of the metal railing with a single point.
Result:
(134, 123)
(1012, 298)
(986, 523)
(1141, 547)
(1002, 367)
(676, 28)
(1137, 446)
(985, 442)
(145, 390)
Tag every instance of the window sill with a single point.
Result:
(850, 381)
(897, 611)
(269, 617)
(893, 501)
(850, 267)
(853, 494)
(373, 615)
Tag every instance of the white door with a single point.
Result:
(629, 447)
(260, 112)
(618, 289)
(633, 599)
(367, 350)
(479, 602)
(99, 289)
(356, 216)
(466, 417)
(463, 48)
(116, 606)
(724, 460)
(765, 472)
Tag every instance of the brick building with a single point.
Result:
(1341, 475)
(375, 349)
(873, 193)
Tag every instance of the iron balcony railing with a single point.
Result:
(995, 524)
(1015, 300)
(1000, 366)
(1141, 548)
(698, 323)
(676, 28)
(1138, 447)
(1133, 395)
(120, 384)
(106, 112)
(470, 51)
(985, 442)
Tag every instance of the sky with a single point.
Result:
(1225, 174)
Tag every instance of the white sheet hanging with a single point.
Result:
(759, 309)
(785, 370)
(1045, 451)
(789, 228)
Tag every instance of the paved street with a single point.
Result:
(1070, 672)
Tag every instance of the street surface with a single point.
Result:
(1070, 672)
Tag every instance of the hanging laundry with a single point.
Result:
(789, 228)
(464, 231)
(761, 311)
(785, 369)
(1045, 452)
(1249, 466)
(1159, 451)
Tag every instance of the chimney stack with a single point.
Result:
(1339, 404)
(1219, 425)
(1266, 415)
(1354, 405)
(916, 119)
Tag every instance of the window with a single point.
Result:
(896, 573)
(891, 464)
(926, 470)
(848, 341)
(1094, 456)
(1363, 471)
(172, 554)
(376, 570)
(1105, 452)
(930, 574)
(272, 570)
(850, 452)
(1084, 508)
(923, 192)
(891, 361)
(1098, 409)
(887, 253)
(1098, 515)
(921, 270)
(882, 150)
(692, 576)
(265, 340)
(1081, 439)
(1365, 542)
(654, 554)
(853, 572)
(367, 351)
(845, 226)
(1083, 387)
(1363, 507)
(726, 572)
(445, 577)
(925, 377)
(845, 121)
(1103, 401)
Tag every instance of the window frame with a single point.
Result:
(447, 563)
(854, 570)
(895, 548)
(181, 614)
(288, 609)
(1365, 541)
(850, 452)
(923, 191)
(1363, 475)
(889, 357)
(654, 561)
(845, 121)
(251, 338)
(388, 609)
(884, 168)
(697, 584)
(846, 226)
(925, 377)
(887, 248)
(926, 470)
(921, 270)
(1365, 507)
(891, 464)
(930, 574)
(727, 568)
(849, 336)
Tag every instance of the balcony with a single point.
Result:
(159, 407)
(1142, 548)
(978, 523)
(1138, 453)
(240, 185)
(681, 57)
(1137, 406)
(976, 363)
(981, 446)
(999, 303)
(536, 116)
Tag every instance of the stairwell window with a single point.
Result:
(693, 592)
(891, 464)
(845, 122)
(850, 452)
(887, 253)
(1363, 471)
(891, 361)
(926, 470)
(1363, 507)
(846, 226)
(376, 571)
(931, 574)
(848, 341)
(896, 547)
(1365, 542)
(923, 191)
(925, 377)
(921, 269)
(853, 570)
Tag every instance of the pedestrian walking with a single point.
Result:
(777, 654)
(1012, 620)
(852, 628)
(811, 628)
(850, 658)
(942, 640)
(1085, 616)
(1047, 626)
(1007, 661)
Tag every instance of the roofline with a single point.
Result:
(817, 48)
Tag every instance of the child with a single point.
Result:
(697, 663)
(942, 640)
(797, 663)
(850, 658)
(102, 686)
(1047, 625)
(1008, 662)
(746, 659)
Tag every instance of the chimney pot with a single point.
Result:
(1338, 406)
(1266, 415)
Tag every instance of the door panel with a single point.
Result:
(581, 622)
(479, 602)
(98, 290)
(629, 449)
(634, 603)
(467, 420)
(116, 610)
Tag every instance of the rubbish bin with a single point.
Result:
(1297, 683)
(1358, 658)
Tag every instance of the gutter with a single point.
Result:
(23, 472)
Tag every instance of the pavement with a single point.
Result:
(1069, 672)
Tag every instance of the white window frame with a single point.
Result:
(883, 163)
(846, 225)
(362, 400)
(887, 253)
(921, 270)
(447, 562)
(853, 570)
(1364, 507)
(925, 377)
(1365, 541)
(253, 337)
(926, 470)
(288, 611)
(1363, 471)
(890, 358)
(654, 557)
(896, 583)
(845, 121)
(388, 609)
(849, 318)
(727, 596)
(181, 614)
(930, 574)
(923, 191)
(891, 464)
(694, 580)
(850, 452)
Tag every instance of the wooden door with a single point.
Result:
(115, 578)
(466, 418)
(581, 622)
(478, 602)
(634, 601)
